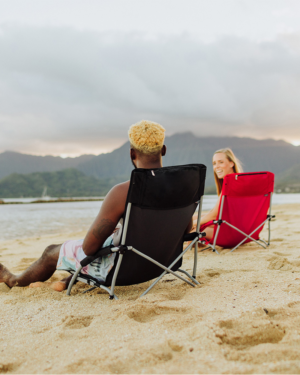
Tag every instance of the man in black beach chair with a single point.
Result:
(157, 206)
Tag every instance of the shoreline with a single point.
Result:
(56, 200)
(95, 199)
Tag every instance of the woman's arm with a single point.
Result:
(211, 215)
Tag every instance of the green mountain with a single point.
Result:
(66, 183)
(184, 148)
(14, 162)
(278, 157)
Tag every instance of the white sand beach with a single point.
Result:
(243, 318)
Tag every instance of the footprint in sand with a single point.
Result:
(212, 273)
(269, 336)
(282, 264)
(146, 357)
(175, 346)
(282, 314)
(73, 327)
(77, 322)
(145, 314)
(79, 367)
(246, 332)
(8, 367)
(175, 295)
(209, 274)
(279, 263)
(294, 305)
(130, 362)
(269, 354)
(281, 254)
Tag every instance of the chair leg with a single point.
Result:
(264, 242)
(89, 290)
(269, 232)
(171, 265)
(111, 295)
(212, 248)
(196, 243)
(162, 266)
(188, 275)
(73, 280)
(111, 292)
(153, 284)
(195, 260)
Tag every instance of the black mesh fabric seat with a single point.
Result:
(159, 207)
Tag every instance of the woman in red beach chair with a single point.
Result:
(224, 163)
(242, 207)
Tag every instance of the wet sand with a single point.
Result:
(243, 318)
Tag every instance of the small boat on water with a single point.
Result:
(44, 194)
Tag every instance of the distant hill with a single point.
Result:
(65, 183)
(14, 162)
(185, 148)
(182, 148)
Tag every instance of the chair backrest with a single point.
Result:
(246, 201)
(162, 202)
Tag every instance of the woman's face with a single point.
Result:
(222, 166)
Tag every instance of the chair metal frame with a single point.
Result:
(260, 242)
(121, 249)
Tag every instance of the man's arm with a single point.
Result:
(110, 213)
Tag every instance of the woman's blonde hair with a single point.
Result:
(237, 168)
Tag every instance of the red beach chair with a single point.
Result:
(245, 206)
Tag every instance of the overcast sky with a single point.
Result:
(75, 74)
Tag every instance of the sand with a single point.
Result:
(243, 318)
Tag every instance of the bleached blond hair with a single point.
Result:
(147, 137)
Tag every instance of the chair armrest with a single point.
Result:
(100, 253)
(192, 236)
(205, 225)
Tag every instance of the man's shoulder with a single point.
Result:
(122, 187)
(120, 191)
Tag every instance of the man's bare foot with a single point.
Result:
(39, 284)
(6, 276)
(61, 285)
(58, 286)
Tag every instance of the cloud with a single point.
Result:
(64, 90)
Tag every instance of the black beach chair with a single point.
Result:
(160, 205)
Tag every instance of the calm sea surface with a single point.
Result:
(38, 219)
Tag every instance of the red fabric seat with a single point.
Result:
(244, 205)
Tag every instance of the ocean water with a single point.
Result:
(38, 219)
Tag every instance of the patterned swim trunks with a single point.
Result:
(71, 254)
